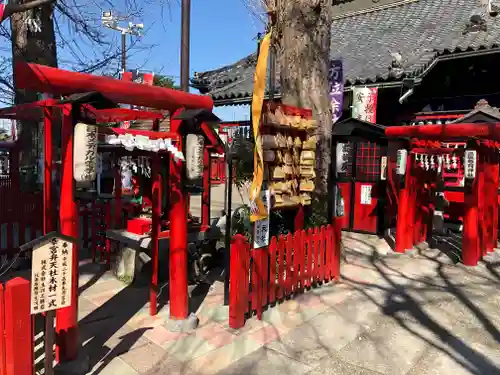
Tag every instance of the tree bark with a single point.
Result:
(302, 40)
(33, 47)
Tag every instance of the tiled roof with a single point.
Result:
(419, 30)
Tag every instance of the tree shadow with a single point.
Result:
(404, 298)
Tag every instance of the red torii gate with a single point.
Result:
(480, 232)
(60, 82)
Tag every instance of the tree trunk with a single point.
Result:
(33, 47)
(303, 33)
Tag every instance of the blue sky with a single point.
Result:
(222, 32)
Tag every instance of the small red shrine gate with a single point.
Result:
(62, 83)
(416, 206)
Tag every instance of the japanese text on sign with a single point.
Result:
(85, 152)
(261, 227)
(336, 80)
(366, 194)
(51, 276)
(470, 157)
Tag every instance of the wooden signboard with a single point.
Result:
(51, 275)
(85, 153)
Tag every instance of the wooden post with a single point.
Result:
(3, 368)
(18, 334)
(155, 230)
(238, 292)
(205, 196)
(403, 218)
(67, 318)
(178, 229)
(470, 235)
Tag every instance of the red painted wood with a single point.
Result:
(403, 217)
(3, 368)
(470, 235)
(62, 82)
(345, 188)
(365, 215)
(289, 264)
(315, 255)
(322, 254)
(302, 259)
(18, 333)
(264, 277)
(273, 248)
(156, 195)
(443, 132)
(238, 285)
(336, 244)
(328, 253)
(281, 266)
(255, 280)
(67, 318)
(178, 214)
(310, 255)
(297, 254)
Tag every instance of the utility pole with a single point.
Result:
(124, 52)
(111, 22)
(186, 25)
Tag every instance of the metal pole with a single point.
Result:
(186, 20)
(124, 51)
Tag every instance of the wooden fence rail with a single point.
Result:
(288, 266)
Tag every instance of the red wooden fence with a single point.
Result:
(291, 264)
(20, 218)
(16, 342)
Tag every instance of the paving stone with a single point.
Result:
(266, 361)
(189, 347)
(114, 367)
(385, 347)
(169, 365)
(143, 358)
(334, 366)
(161, 336)
(464, 359)
(316, 339)
(219, 359)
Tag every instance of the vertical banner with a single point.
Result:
(336, 79)
(261, 227)
(258, 211)
(364, 103)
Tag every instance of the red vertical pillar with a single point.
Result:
(495, 180)
(118, 194)
(482, 200)
(67, 318)
(205, 197)
(178, 229)
(470, 235)
(18, 334)
(488, 204)
(155, 230)
(47, 171)
(403, 218)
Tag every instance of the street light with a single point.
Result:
(111, 22)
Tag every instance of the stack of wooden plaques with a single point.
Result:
(289, 146)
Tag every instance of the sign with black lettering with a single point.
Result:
(51, 275)
(85, 153)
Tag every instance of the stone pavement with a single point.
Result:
(390, 314)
